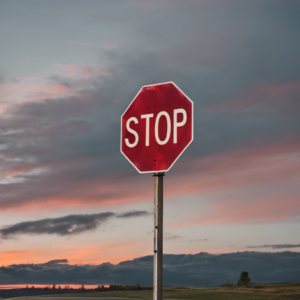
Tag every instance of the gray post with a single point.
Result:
(158, 237)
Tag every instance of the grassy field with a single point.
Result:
(285, 291)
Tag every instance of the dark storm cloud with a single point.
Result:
(279, 246)
(199, 270)
(68, 225)
(65, 226)
(61, 147)
(134, 213)
(56, 261)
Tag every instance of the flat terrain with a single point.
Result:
(286, 291)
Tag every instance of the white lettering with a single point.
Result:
(147, 117)
(135, 120)
(178, 124)
(163, 113)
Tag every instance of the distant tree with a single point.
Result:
(244, 279)
(82, 287)
(53, 286)
(59, 287)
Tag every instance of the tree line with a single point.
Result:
(112, 287)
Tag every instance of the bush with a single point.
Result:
(228, 283)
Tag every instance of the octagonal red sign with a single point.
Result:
(157, 127)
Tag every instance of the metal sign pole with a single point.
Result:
(158, 237)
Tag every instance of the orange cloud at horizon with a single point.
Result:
(93, 254)
(85, 254)
(114, 253)
(20, 256)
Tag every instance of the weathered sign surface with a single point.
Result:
(157, 127)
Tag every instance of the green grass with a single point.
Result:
(265, 292)
(121, 294)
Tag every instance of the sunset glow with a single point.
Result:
(68, 197)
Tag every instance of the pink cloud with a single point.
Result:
(53, 90)
(6, 89)
(245, 168)
(250, 170)
(82, 71)
(9, 90)
(31, 89)
(275, 90)
(255, 211)
(261, 94)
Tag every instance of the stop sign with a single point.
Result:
(157, 127)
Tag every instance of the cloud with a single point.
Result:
(68, 225)
(75, 72)
(241, 211)
(133, 213)
(231, 170)
(278, 246)
(65, 226)
(199, 270)
(172, 237)
(66, 145)
(57, 261)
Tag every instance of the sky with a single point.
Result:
(68, 71)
